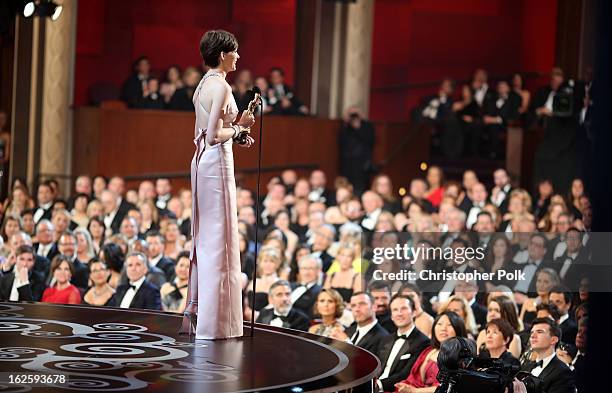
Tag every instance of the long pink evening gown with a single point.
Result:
(215, 274)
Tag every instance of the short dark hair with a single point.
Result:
(504, 327)
(214, 42)
(25, 249)
(541, 236)
(379, 285)
(183, 254)
(158, 234)
(567, 295)
(412, 287)
(367, 294)
(278, 69)
(400, 296)
(551, 308)
(484, 213)
(554, 329)
(57, 261)
(456, 322)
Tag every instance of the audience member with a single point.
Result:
(100, 293)
(138, 293)
(282, 314)
(62, 291)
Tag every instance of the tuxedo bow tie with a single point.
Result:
(133, 286)
(532, 364)
(282, 317)
(402, 336)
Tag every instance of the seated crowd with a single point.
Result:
(108, 246)
(175, 91)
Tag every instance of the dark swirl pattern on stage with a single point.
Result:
(114, 350)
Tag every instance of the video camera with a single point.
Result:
(462, 372)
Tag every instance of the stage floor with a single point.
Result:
(59, 347)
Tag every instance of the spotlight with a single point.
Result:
(28, 9)
(44, 8)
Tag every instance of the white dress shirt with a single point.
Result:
(571, 258)
(43, 249)
(369, 222)
(397, 346)
(529, 271)
(363, 330)
(41, 210)
(155, 261)
(131, 292)
(299, 291)
(538, 370)
(277, 321)
(473, 214)
(16, 285)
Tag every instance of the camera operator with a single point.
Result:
(554, 108)
(556, 376)
(461, 371)
(356, 143)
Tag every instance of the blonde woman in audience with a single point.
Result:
(85, 249)
(385, 222)
(346, 280)
(460, 306)
(269, 264)
(101, 291)
(422, 320)
(95, 209)
(18, 202)
(519, 204)
(503, 307)
(174, 241)
(383, 186)
(61, 222)
(150, 216)
(174, 294)
(329, 307)
(282, 222)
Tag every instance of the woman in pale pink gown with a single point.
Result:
(214, 294)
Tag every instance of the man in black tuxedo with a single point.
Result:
(282, 314)
(477, 200)
(113, 213)
(281, 97)
(44, 206)
(163, 189)
(578, 364)
(572, 266)
(537, 249)
(67, 245)
(138, 293)
(151, 98)
(498, 109)
(562, 298)
(365, 332)
(318, 190)
(400, 350)
(468, 289)
(500, 194)
(23, 283)
(324, 236)
(133, 87)
(381, 292)
(304, 295)
(556, 376)
(45, 247)
(156, 242)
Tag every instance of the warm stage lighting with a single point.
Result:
(43, 8)
(28, 9)
(423, 166)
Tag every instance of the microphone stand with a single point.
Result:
(257, 218)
